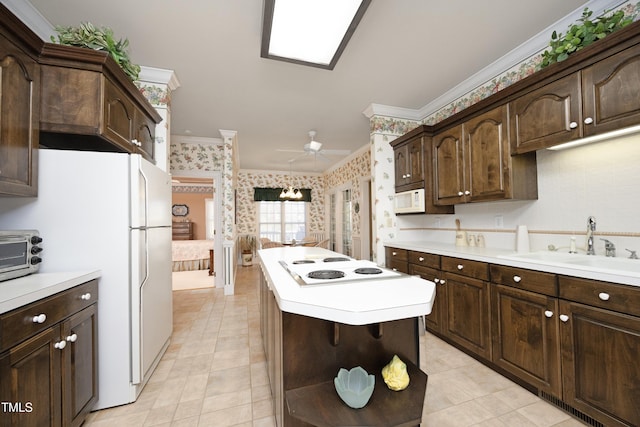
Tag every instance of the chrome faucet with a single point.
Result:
(591, 227)
(609, 247)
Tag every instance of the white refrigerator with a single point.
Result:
(110, 212)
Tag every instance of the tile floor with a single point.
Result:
(214, 374)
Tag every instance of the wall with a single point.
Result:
(195, 202)
(247, 208)
(599, 180)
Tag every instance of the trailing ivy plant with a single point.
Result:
(583, 33)
(89, 36)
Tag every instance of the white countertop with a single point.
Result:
(353, 303)
(493, 256)
(18, 292)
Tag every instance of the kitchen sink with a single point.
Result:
(623, 266)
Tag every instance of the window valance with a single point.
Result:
(273, 195)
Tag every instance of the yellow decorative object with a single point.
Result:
(395, 374)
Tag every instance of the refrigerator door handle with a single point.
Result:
(139, 277)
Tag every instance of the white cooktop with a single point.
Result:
(335, 270)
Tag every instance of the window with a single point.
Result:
(282, 221)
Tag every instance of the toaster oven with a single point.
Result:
(19, 253)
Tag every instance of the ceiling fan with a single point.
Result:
(314, 150)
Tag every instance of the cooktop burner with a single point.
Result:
(368, 270)
(304, 261)
(336, 259)
(326, 274)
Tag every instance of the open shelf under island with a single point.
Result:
(310, 332)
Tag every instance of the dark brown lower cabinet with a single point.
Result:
(51, 378)
(435, 321)
(600, 366)
(525, 336)
(467, 318)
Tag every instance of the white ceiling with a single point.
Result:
(405, 53)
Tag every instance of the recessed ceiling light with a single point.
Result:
(309, 32)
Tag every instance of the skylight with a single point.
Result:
(309, 32)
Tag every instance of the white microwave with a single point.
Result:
(409, 202)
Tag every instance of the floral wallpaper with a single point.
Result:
(197, 157)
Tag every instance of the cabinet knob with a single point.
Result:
(588, 121)
(394, 269)
(548, 313)
(460, 266)
(408, 175)
(603, 296)
(460, 193)
(467, 192)
(421, 259)
(564, 317)
(573, 125)
(72, 338)
(442, 281)
(436, 280)
(40, 318)
(517, 279)
(394, 253)
(60, 344)
(85, 297)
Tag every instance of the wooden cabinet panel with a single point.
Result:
(19, 116)
(611, 296)
(529, 280)
(547, 116)
(611, 93)
(80, 362)
(31, 373)
(525, 336)
(468, 313)
(118, 114)
(424, 259)
(600, 366)
(397, 259)
(409, 164)
(475, 269)
(449, 167)
(144, 131)
(436, 320)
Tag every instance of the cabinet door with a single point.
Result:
(144, 135)
(449, 167)
(468, 313)
(525, 336)
(31, 377)
(547, 116)
(487, 156)
(80, 366)
(611, 92)
(401, 162)
(415, 164)
(118, 116)
(434, 321)
(600, 369)
(19, 129)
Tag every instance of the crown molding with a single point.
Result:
(526, 50)
(159, 76)
(181, 139)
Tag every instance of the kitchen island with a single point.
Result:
(310, 331)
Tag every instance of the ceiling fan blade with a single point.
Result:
(284, 150)
(336, 152)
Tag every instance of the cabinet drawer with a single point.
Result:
(427, 260)
(621, 298)
(534, 281)
(18, 325)
(396, 254)
(465, 267)
(398, 265)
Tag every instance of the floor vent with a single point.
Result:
(570, 409)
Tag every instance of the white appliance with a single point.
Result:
(109, 212)
(409, 201)
(336, 270)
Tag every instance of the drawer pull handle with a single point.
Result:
(442, 281)
(573, 125)
(460, 266)
(588, 121)
(394, 269)
(436, 280)
(40, 318)
(548, 313)
(85, 297)
(564, 317)
(467, 192)
(60, 344)
(72, 337)
(517, 279)
(421, 259)
(394, 253)
(460, 193)
(603, 296)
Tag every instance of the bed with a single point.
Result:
(190, 255)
